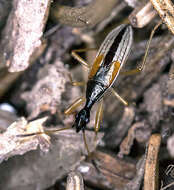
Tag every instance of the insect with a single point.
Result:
(107, 65)
(103, 73)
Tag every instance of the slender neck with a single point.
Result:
(88, 104)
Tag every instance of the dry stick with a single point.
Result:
(127, 142)
(85, 16)
(165, 10)
(142, 15)
(151, 167)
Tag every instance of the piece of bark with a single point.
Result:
(12, 145)
(135, 132)
(85, 16)
(152, 114)
(22, 33)
(137, 18)
(165, 10)
(92, 175)
(151, 175)
(46, 94)
(33, 169)
(109, 172)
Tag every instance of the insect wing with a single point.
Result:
(112, 55)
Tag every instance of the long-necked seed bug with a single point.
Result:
(109, 60)
(104, 71)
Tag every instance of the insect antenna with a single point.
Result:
(85, 142)
(48, 132)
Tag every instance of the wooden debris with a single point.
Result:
(137, 18)
(46, 94)
(165, 10)
(11, 145)
(85, 16)
(151, 167)
(22, 33)
(127, 143)
(117, 172)
(66, 150)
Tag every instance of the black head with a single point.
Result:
(82, 119)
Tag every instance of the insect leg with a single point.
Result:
(74, 105)
(97, 126)
(142, 66)
(98, 118)
(75, 83)
(119, 97)
(78, 58)
(85, 142)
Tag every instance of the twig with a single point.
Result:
(165, 10)
(151, 167)
(127, 142)
(137, 17)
